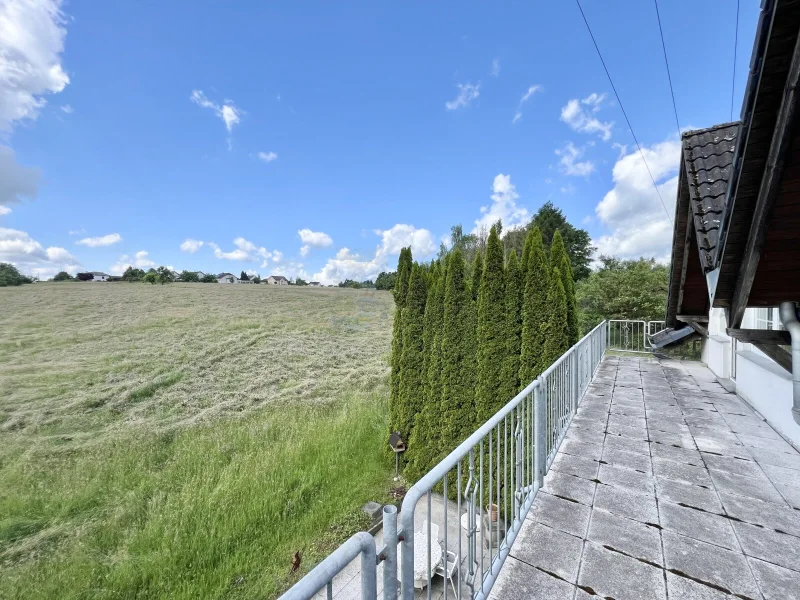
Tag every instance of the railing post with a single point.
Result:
(369, 574)
(539, 448)
(390, 552)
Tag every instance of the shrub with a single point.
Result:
(9, 275)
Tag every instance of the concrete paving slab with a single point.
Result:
(569, 486)
(629, 537)
(626, 504)
(751, 486)
(709, 563)
(666, 468)
(764, 514)
(521, 581)
(633, 481)
(699, 525)
(548, 549)
(686, 589)
(558, 513)
(776, 582)
(614, 575)
(778, 548)
(690, 495)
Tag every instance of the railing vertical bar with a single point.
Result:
(458, 508)
(329, 590)
(490, 490)
(444, 552)
(430, 577)
(483, 522)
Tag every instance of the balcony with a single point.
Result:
(621, 476)
(664, 486)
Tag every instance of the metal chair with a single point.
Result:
(447, 567)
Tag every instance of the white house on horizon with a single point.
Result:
(227, 278)
(99, 276)
(277, 280)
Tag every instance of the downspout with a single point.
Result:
(788, 314)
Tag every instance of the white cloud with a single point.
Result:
(345, 254)
(80, 231)
(632, 209)
(466, 94)
(67, 109)
(569, 163)
(400, 236)
(504, 206)
(277, 256)
(228, 111)
(104, 240)
(495, 72)
(30, 257)
(579, 115)
(530, 92)
(16, 182)
(313, 239)
(4, 210)
(267, 157)
(568, 189)
(141, 260)
(191, 246)
(31, 42)
(246, 251)
(525, 97)
(347, 265)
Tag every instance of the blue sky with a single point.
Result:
(318, 138)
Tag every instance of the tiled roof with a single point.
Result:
(708, 156)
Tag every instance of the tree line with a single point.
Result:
(467, 338)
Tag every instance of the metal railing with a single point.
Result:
(478, 495)
(626, 335)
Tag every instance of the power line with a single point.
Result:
(622, 108)
(735, 46)
(666, 61)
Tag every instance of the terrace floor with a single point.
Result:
(666, 486)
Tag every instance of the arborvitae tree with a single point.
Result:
(557, 332)
(534, 310)
(526, 253)
(477, 275)
(457, 401)
(513, 328)
(400, 294)
(491, 342)
(412, 381)
(560, 258)
(423, 444)
(404, 264)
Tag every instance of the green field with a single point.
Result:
(183, 441)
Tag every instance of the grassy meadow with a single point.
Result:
(183, 441)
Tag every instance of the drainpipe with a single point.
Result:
(788, 314)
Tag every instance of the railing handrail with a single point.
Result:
(567, 382)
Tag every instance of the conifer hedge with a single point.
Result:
(467, 340)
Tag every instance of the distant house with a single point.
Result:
(227, 278)
(99, 276)
(277, 280)
(200, 274)
(314, 284)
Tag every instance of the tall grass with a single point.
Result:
(185, 441)
(213, 511)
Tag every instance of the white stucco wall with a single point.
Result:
(766, 386)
